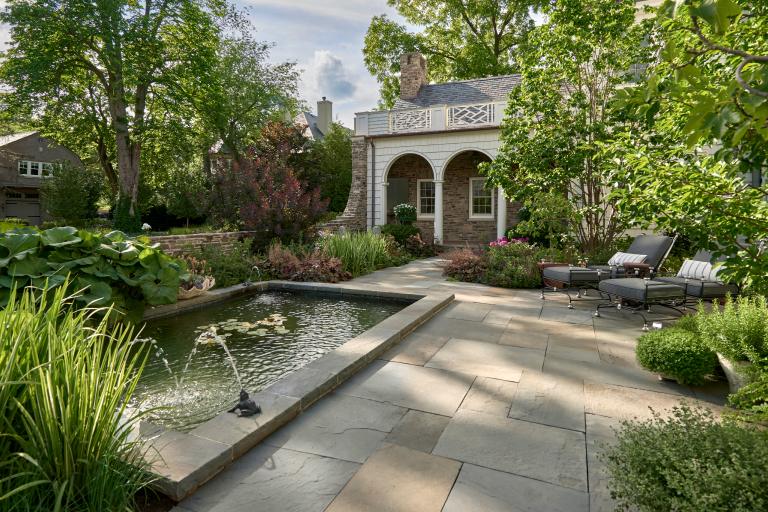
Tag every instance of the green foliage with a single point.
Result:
(72, 193)
(460, 40)
(695, 99)
(297, 264)
(689, 463)
(230, 265)
(65, 379)
(752, 400)
(405, 213)
(676, 353)
(515, 265)
(549, 217)
(124, 219)
(112, 269)
(184, 190)
(571, 67)
(334, 162)
(360, 253)
(9, 223)
(739, 330)
(400, 232)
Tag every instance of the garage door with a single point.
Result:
(27, 210)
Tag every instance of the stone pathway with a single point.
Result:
(501, 402)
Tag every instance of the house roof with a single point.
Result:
(13, 137)
(481, 90)
(309, 120)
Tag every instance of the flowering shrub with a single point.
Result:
(315, 265)
(466, 265)
(501, 242)
(405, 213)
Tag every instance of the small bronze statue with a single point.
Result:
(246, 406)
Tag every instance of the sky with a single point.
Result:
(325, 39)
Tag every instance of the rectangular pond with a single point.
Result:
(200, 360)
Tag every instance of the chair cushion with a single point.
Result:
(702, 289)
(641, 290)
(571, 276)
(695, 270)
(620, 258)
(654, 246)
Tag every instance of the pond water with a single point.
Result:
(189, 377)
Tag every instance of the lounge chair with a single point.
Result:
(696, 280)
(643, 258)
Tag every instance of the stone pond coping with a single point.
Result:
(182, 462)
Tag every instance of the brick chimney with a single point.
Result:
(413, 74)
(324, 115)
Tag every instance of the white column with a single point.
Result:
(501, 214)
(438, 212)
(384, 188)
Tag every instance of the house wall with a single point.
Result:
(413, 168)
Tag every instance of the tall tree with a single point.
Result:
(559, 115)
(118, 49)
(461, 39)
(698, 164)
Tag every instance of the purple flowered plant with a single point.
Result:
(501, 242)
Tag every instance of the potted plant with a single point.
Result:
(405, 213)
(676, 354)
(197, 282)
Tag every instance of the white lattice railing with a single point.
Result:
(410, 120)
(470, 115)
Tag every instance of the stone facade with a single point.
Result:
(413, 168)
(413, 74)
(177, 244)
(458, 228)
(355, 214)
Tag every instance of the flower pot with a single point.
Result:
(196, 291)
(735, 372)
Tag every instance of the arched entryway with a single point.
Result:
(410, 179)
(472, 212)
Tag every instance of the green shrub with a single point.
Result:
(689, 463)
(229, 265)
(400, 232)
(65, 380)
(752, 400)
(72, 194)
(677, 353)
(114, 269)
(688, 323)
(739, 331)
(513, 265)
(405, 213)
(359, 253)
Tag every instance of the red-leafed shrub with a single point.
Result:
(309, 266)
(465, 265)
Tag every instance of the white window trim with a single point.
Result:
(40, 164)
(419, 215)
(486, 216)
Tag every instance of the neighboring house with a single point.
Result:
(26, 159)
(316, 127)
(425, 151)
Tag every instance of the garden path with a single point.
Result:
(500, 402)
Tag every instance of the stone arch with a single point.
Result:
(459, 152)
(402, 178)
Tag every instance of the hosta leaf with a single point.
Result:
(160, 288)
(59, 237)
(116, 236)
(18, 245)
(31, 266)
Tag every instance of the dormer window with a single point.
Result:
(30, 169)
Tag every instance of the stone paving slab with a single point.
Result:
(504, 314)
(549, 400)
(525, 339)
(628, 403)
(454, 328)
(268, 479)
(611, 374)
(490, 396)
(342, 427)
(486, 360)
(573, 350)
(472, 311)
(558, 313)
(416, 349)
(600, 435)
(414, 387)
(481, 489)
(398, 479)
(418, 431)
(541, 452)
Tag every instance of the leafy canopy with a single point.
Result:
(558, 115)
(461, 39)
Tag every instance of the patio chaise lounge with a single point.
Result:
(644, 256)
(696, 280)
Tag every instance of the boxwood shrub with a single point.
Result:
(689, 463)
(677, 353)
(400, 232)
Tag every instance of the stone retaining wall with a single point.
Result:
(175, 244)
